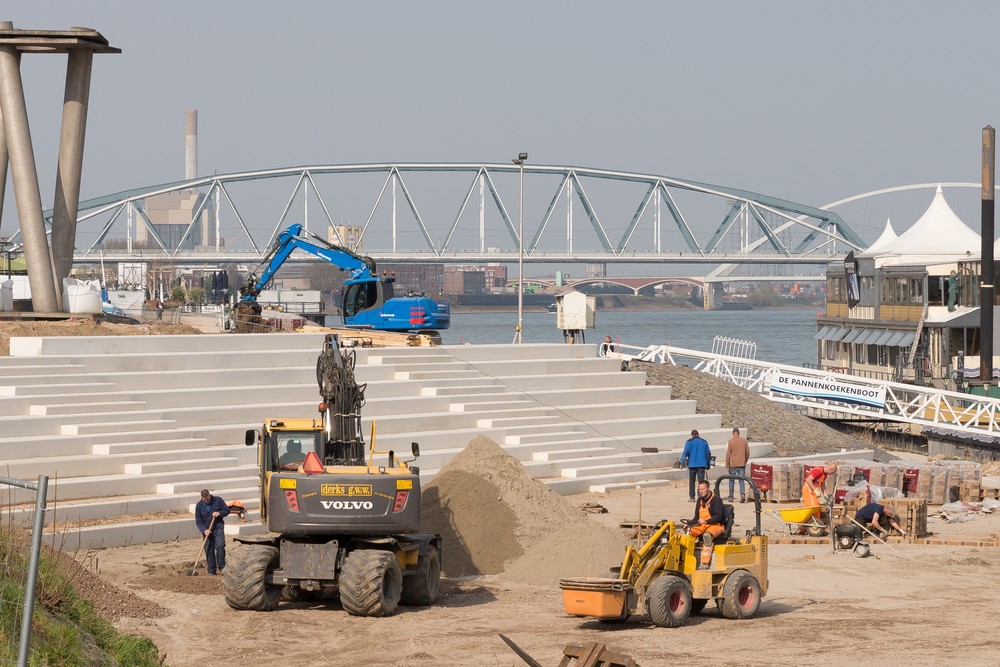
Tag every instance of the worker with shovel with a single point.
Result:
(209, 516)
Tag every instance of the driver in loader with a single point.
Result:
(709, 521)
(293, 456)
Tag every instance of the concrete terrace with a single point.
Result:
(137, 425)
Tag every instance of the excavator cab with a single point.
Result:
(361, 296)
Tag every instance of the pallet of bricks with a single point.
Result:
(936, 482)
(778, 481)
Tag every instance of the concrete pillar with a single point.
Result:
(70, 167)
(3, 167)
(714, 295)
(25, 177)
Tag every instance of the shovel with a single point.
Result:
(193, 571)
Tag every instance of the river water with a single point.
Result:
(782, 335)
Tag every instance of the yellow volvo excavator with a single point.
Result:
(339, 520)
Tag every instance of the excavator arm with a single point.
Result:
(297, 238)
(343, 399)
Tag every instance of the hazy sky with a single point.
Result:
(808, 101)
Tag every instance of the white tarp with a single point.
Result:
(831, 390)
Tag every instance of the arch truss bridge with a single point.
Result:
(461, 213)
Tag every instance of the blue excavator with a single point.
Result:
(368, 303)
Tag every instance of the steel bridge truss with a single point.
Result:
(905, 403)
(783, 232)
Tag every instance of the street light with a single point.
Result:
(521, 157)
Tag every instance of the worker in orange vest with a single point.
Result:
(814, 489)
(709, 521)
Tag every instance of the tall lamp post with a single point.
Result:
(521, 158)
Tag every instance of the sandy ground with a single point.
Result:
(927, 605)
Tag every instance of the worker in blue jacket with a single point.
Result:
(696, 456)
(209, 516)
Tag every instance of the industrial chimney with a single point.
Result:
(191, 145)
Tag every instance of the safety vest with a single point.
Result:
(703, 511)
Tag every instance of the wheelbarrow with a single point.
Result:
(799, 519)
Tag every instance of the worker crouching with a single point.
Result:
(709, 522)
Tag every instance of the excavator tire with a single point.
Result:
(421, 587)
(244, 581)
(669, 601)
(740, 596)
(370, 583)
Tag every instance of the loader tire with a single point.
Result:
(669, 601)
(740, 596)
(421, 587)
(244, 581)
(370, 583)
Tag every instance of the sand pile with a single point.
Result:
(495, 518)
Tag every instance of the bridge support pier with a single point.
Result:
(47, 266)
(714, 293)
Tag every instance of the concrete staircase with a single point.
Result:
(137, 425)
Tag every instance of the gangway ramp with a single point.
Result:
(839, 393)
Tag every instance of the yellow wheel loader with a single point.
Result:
(662, 578)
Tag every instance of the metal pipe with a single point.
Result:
(25, 178)
(70, 166)
(519, 331)
(986, 284)
(41, 491)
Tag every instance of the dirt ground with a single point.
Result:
(85, 326)
(922, 605)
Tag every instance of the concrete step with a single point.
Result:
(382, 358)
(185, 464)
(538, 418)
(464, 390)
(52, 389)
(477, 353)
(74, 346)
(585, 396)
(450, 374)
(560, 467)
(569, 454)
(176, 444)
(618, 410)
(583, 380)
(116, 427)
(496, 405)
(21, 369)
(562, 433)
(214, 481)
(132, 463)
(611, 467)
(76, 409)
(570, 485)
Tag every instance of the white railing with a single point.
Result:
(966, 413)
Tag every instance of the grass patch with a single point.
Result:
(65, 629)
